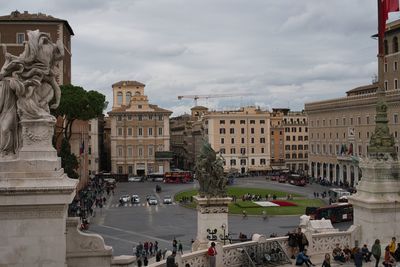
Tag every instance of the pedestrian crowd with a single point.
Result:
(144, 251)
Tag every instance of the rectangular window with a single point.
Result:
(287, 138)
(242, 140)
(222, 140)
(344, 121)
(253, 161)
(386, 67)
(160, 117)
(262, 140)
(160, 131)
(232, 140)
(396, 86)
(242, 130)
(221, 130)
(242, 122)
(252, 130)
(140, 117)
(386, 85)
(232, 122)
(232, 130)
(252, 150)
(367, 119)
(120, 131)
(130, 131)
(252, 140)
(129, 119)
(151, 151)
(150, 131)
(140, 131)
(130, 169)
(243, 151)
(337, 121)
(395, 118)
(252, 122)
(120, 169)
(262, 121)
(130, 151)
(262, 162)
(222, 122)
(222, 151)
(262, 150)
(120, 154)
(233, 150)
(140, 151)
(262, 131)
(119, 118)
(395, 65)
(233, 162)
(20, 38)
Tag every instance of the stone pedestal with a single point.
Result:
(34, 197)
(376, 203)
(212, 218)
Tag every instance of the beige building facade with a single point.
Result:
(295, 124)
(340, 129)
(242, 137)
(140, 136)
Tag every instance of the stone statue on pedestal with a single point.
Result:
(27, 86)
(210, 173)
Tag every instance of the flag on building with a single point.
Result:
(384, 8)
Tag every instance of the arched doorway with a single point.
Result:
(312, 169)
(318, 170)
(337, 174)
(351, 176)
(345, 175)
(331, 173)
(324, 171)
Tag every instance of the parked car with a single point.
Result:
(136, 179)
(152, 200)
(167, 200)
(135, 199)
(125, 198)
(282, 179)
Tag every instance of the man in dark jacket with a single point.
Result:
(171, 260)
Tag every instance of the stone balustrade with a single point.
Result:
(233, 255)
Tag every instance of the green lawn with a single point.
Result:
(252, 208)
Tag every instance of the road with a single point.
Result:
(124, 227)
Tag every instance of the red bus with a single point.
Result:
(297, 179)
(177, 177)
(338, 212)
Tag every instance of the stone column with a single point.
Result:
(212, 214)
(377, 201)
(34, 198)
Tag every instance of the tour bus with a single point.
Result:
(155, 177)
(297, 179)
(336, 194)
(177, 177)
(338, 212)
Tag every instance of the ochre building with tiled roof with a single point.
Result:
(140, 139)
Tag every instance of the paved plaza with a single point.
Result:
(123, 227)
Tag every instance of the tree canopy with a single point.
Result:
(78, 104)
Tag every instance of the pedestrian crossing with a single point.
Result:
(129, 205)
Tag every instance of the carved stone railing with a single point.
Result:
(233, 255)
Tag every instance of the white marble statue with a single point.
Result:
(27, 86)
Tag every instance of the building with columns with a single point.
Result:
(340, 129)
(140, 138)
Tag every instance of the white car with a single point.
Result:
(167, 200)
(152, 200)
(135, 199)
(135, 179)
(125, 198)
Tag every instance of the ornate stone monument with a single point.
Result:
(34, 191)
(212, 200)
(376, 203)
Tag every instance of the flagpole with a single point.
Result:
(381, 35)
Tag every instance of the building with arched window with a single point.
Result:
(340, 129)
(140, 139)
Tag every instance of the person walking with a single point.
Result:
(212, 252)
(376, 251)
(180, 247)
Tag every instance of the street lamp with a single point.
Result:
(223, 237)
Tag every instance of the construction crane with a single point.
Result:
(196, 97)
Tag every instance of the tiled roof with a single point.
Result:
(27, 17)
(124, 109)
(362, 88)
(124, 83)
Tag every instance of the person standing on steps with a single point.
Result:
(212, 253)
(376, 251)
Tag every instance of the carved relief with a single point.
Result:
(211, 209)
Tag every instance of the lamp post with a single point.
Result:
(223, 237)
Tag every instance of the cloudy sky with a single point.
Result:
(280, 53)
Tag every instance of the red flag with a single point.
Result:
(384, 8)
